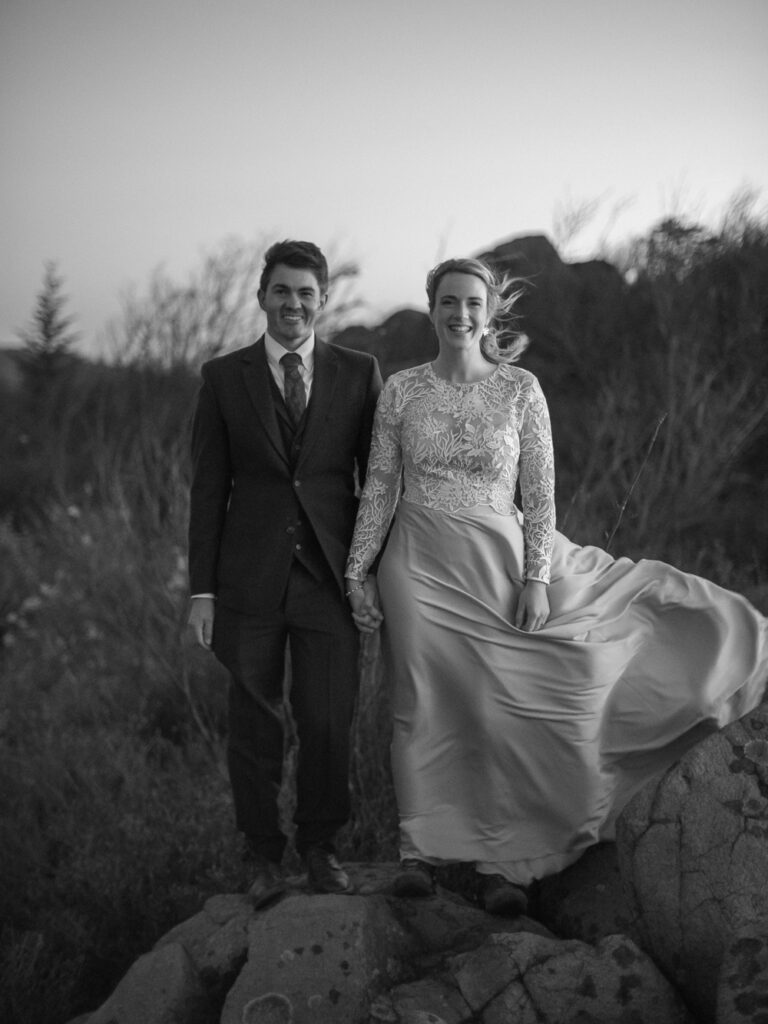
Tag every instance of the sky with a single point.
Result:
(137, 134)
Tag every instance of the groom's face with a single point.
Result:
(292, 301)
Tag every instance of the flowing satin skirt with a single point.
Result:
(517, 750)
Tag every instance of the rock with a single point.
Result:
(325, 956)
(270, 1009)
(216, 939)
(587, 901)
(485, 973)
(162, 987)
(693, 853)
(383, 1012)
(446, 922)
(534, 980)
(430, 999)
(742, 993)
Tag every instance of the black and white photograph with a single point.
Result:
(383, 532)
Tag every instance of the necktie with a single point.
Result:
(295, 395)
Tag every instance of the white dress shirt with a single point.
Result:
(275, 352)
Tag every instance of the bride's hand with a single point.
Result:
(364, 602)
(533, 607)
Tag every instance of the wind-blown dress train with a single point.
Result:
(510, 749)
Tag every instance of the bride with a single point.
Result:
(536, 684)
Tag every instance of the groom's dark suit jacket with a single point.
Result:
(256, 492)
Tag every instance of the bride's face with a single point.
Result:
(460, 312)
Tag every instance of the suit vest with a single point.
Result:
(306, 548)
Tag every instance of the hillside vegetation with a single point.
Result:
(116, 817)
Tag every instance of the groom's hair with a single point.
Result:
(302, 255)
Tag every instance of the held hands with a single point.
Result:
(200, 621)
(533, 607)
(364, 602)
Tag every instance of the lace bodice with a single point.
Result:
(452, 446)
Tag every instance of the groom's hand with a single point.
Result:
(200, 621)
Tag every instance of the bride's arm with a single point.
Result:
(377, 507)
(537, 487)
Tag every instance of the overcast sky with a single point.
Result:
(135, 133)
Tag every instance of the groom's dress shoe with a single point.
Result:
(324, 873)
(268, 882)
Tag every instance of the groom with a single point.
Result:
(280, 439)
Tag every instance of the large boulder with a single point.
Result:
(693, 852)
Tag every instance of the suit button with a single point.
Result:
(297, 483)
(298, 547)
(290, 529)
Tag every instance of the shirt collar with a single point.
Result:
(275, 351)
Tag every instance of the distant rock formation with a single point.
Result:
(570, 312)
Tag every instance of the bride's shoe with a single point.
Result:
(501, 897)
(415, 878)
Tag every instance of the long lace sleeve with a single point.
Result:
(537, 484)
(382, 486)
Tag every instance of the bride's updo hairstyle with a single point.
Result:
(500, 343)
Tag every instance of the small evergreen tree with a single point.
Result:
(37, 420)
(48, 340)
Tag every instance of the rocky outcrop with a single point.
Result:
(693, 852)
(670, 926)
(372, 958)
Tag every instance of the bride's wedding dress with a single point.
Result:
(516, 750)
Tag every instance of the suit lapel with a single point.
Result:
(321, 399)
(256, 377)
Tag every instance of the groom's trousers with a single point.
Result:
(315, 624)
